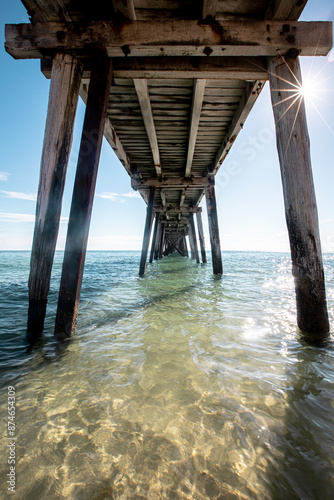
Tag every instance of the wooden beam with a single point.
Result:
(125, 8)
(251, 93)
(183, 210)
(154, 238)
(147, 232)
(285, 10)
(196, 108)
(185, 246)
(63, 99)
(209, 9)
(194, 239)
(83, 195)
(213, 67)
(111, 137)
(299, 197)
(170, 37)
(146, 110)
(217, 263)
(201, 236)
(172, 182)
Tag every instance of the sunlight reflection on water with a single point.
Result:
(177, 386)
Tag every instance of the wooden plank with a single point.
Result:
(284, 10)
(171, 182)
(145, 106)
(170, 38)
(83, 195)
(125, 8)
(183, 196)
(251, 93)
(63, 98)
(147, 231)
(163, 198)
(198, 93)
(299, 197)
(211, 205)
(201, 236)
(162, 241)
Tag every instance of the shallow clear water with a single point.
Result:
(177, 386)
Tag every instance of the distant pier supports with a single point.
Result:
(192, 233)
(155, 235)
(63, 98)
(217, 263)
(201, 236)
(299, 197)
(83, 195)
(147, 232)
(162, 241)
(185, 246)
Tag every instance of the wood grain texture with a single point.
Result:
(63, 98)
(201, 236)
(172, 38)
(293, 147)
(211, 205)
(147, 232)
(83, 196)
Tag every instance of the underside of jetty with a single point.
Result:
(169, 83)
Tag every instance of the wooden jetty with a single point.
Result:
(169, 83)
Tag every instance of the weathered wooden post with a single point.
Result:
(185, 246)
(154, 238)
(162, 241)
(83, 195)
(63, 98)
(157, 243)
(217, 263)
(193, 237)
(147, 231)
(293, 146)
(201, 236)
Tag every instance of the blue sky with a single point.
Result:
(248, 185)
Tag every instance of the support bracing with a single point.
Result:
(211, 204)
(201, 236)
(147, 231)
(162, 241)
(63, 98)
(83, 195)
(299, 196)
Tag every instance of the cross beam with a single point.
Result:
(172, 182)
(170, 38)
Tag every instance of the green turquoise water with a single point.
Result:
(178, 385)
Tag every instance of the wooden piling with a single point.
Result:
(211, 204)
(157, 243)
(193, 233)
(147, 231)
(299, 196)
(154, 238)
(63, 98)
(185, 246)
(83, 195)
(201, 236)
(162, 241)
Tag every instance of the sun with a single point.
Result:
(307, 90)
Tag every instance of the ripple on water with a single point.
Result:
(177, 386)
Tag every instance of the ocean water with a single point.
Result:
(178, 385)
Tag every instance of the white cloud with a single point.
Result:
(19, 196)
(118, 197)
(4, 176)
(10, 217)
